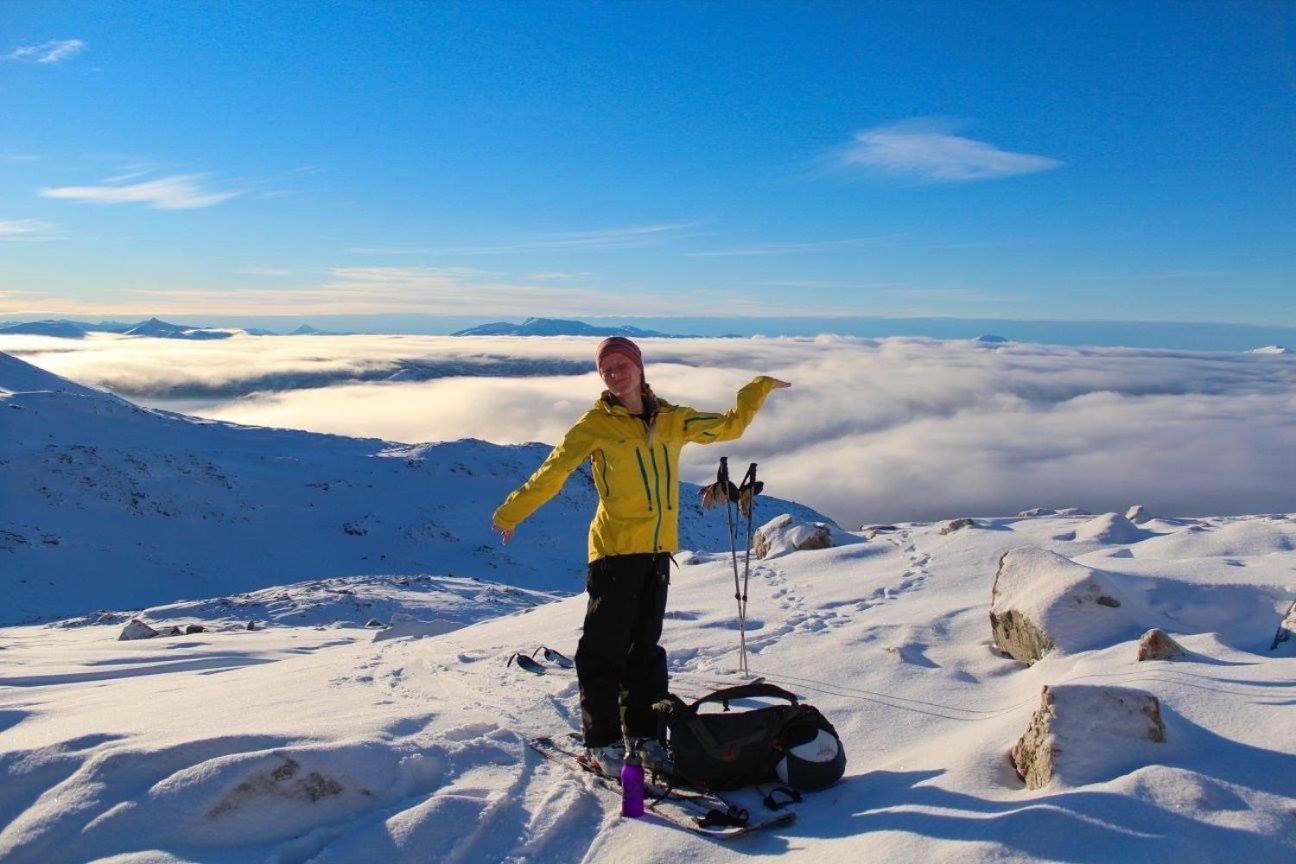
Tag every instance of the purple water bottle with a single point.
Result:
(632, 785)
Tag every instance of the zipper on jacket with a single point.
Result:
(607, 490)
(643, 472)
(666, 459)
(657, 486)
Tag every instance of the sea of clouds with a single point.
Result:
(872, 430)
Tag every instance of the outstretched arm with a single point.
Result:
(704, 428)
(545, 482)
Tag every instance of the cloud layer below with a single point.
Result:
(873, 430)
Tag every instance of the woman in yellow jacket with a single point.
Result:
(633, 441)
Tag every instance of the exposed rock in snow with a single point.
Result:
(871, 531)
(405, 626)
(1156, 645)
(1041, 601)
(137, 629)
(784, 534)
(1082, 733)
(1138, 514)
(1037, 511)
(957, 525)
(1286, 635)
(190, 629)
(1073, 511)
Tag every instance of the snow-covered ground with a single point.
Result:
(313, 738)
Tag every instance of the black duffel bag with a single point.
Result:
(793, 744)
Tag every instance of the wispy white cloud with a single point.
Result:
(615, 238)
(19, 157)
(128, 174)
(392, 250)
(27, 229)
(759, 249)
(554, 274)
(54, 51)
(927, 149)
(177, 192)
(263, 271)
(458, 290)
(622, 237)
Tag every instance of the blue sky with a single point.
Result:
(1037, 160)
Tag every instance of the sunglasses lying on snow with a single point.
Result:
(529, 664)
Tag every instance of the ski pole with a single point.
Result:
(750, 488)
(746, 505)
(733, 552)
(724, 489)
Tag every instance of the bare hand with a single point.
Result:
(506, 534)
(781, 385)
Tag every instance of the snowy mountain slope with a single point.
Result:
(298, 744)
(63, 328)
(350, 601)
(58, 329)
(107, 505)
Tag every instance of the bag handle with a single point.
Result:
(745, 691)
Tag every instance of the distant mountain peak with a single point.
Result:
(158, 328)
(556, 327)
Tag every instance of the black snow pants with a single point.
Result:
(618, 661)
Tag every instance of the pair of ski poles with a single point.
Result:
(744, 497)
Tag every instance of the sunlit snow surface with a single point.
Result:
(310, 739)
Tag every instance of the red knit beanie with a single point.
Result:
(619, 345)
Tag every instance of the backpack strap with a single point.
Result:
(789, 796)
(744, 691)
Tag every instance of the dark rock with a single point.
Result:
(137, 629)
(1156, 645)
(1082, 733)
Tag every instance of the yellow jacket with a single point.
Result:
(636, 470)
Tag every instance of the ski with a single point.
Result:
(696, 811)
